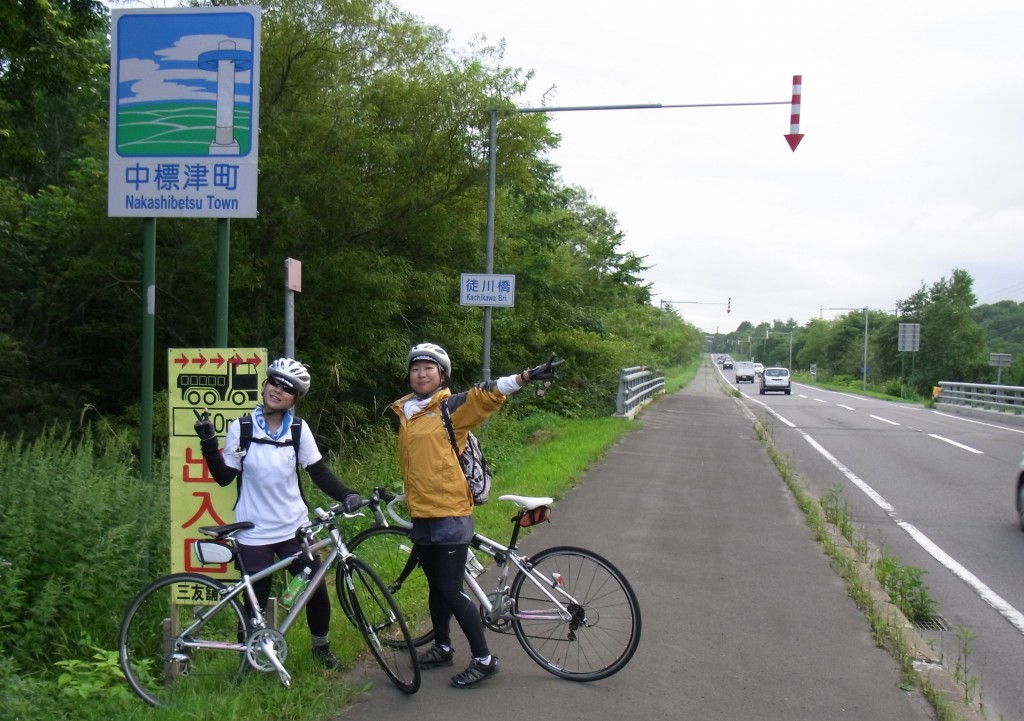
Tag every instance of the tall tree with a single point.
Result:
(53, 82)
(953, 345)
(373, 159)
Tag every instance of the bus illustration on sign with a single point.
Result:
(237, 383)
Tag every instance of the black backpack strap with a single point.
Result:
(446, 418)
(244, 435)
(296, 436)
(244, 441)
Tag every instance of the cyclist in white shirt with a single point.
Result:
(269, 494)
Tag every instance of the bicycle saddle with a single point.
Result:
(528, 502)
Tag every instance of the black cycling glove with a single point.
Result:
(545, 371)
(352, 502)
(205, 430)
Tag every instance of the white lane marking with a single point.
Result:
(980, 423)
(820, 400)
(884, 420)
(849, 408)
(1004, 609)
(775, 413)
(958, 445)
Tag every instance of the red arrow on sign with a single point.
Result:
(201, 360)
(795, 136)
(182, 361)
(217, 360)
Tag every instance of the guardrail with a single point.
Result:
(637, 385)
(1004, 399)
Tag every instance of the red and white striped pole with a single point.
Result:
(795, 136)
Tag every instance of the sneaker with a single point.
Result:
(435, 656)
(475, 673)
(323, 656)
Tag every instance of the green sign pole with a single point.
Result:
(148, 343)
(223, 262)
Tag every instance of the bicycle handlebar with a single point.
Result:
(325, 519)
(380, 493)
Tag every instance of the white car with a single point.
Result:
(777, 379)
(758, 369)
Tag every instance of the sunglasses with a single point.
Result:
(278, 383)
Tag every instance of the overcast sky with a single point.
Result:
(912, 163)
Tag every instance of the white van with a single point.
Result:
(744, 371)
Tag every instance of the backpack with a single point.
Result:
(478, 475)
(245, 439)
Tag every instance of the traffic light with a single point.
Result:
(728, 306)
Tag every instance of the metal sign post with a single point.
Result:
(1000, 361)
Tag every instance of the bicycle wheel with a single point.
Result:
(151, 650)
(378, 618)
(386, 551)
(604, 630)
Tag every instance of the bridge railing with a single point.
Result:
(1004, 399)
(637, 385)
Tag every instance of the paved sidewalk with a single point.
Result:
(743, 618)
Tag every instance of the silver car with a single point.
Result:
(775, 379)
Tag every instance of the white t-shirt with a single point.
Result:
(270, 495)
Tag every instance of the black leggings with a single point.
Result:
(256, 558)
(443, 566)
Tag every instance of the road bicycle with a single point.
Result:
(571, 610)
(187, 635)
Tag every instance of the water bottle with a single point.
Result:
(296, 586)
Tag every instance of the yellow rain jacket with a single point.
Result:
(435, 486)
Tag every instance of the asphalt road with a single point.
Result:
(935, 489)
(743, 618)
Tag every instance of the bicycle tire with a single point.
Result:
(160, 673)
(387, 551)
(378, 618)
(607, 629)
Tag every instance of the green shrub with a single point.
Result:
(78, 534)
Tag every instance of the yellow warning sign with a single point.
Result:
(227, 382)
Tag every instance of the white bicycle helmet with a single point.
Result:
(430, 351)
(292, 373)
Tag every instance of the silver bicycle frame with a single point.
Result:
(493, 548)
(338, 550)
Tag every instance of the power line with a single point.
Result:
(1008, 293)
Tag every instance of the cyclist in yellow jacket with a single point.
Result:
(439, 498)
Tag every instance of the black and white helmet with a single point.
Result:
(430, 351)
(291, 372)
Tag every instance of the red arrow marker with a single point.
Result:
(201, 360)
(795, 136)
(217, 360)
(182, 361)
(236, 359)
